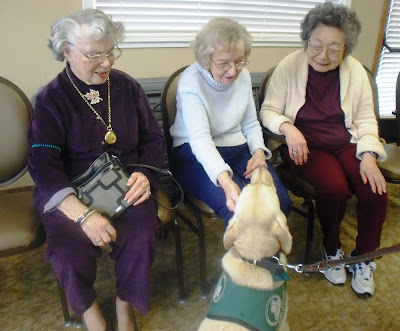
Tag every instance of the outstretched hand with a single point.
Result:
(231, 189)
(258, 159)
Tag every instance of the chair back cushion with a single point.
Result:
(168, 104)
(15, 114)
(165, 215)
(264, 85)
(21, 229)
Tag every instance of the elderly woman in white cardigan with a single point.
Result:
(320, 98)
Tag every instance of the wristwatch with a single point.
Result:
(373, 154)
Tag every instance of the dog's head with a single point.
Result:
(258, 228)
(261, 175)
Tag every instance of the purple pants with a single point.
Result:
(335, 175)
(74, 257)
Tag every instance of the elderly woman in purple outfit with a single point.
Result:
(86, 110)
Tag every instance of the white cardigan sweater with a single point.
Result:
(286, 94)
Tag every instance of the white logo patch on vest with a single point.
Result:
(219, 291)
(273, 310)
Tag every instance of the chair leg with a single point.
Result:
(179, 260)
(202, 254)
(199, 232)
(309, 215)
(310, 229)
(64, 306)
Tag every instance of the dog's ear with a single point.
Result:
(231, 233)
(282, 232)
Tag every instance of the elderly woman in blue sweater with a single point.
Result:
(217, 139)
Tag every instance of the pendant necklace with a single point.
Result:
(110, 136)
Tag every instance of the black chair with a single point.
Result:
(168, 218)
(199, 208)
(21, 229)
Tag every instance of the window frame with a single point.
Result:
(389, 62)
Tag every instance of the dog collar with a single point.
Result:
(270, 264)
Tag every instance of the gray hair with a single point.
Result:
(220, 35)
(67, 30)
(338, 16)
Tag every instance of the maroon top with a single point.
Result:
(321, 119)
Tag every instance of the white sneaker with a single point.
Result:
(336, 275)
(362, 280)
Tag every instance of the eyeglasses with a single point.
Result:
(332, 51)
(225, 66)
(98, 58)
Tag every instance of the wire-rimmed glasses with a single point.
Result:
(332, 50)
(225, 66)
(99, 58)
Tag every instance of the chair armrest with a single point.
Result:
(278, 137)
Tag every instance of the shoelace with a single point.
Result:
(339, 255)
(366, 269)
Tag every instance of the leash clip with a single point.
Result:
(296, 267)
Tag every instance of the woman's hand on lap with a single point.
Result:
(297, 144)
(99, 230)
(140, 188)
(371, 174)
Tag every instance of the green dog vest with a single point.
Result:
(251, 308)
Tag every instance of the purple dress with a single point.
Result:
(64, 121)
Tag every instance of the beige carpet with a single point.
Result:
(29, 298)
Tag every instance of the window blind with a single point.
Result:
(389, 62)
(164, 23)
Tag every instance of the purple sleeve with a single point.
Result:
(45, 163)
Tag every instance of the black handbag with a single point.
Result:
(103, 186)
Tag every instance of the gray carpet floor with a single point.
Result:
(29, 297)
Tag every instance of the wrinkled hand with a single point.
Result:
(258, 159)
(297, 144)
(99, 230)
(370, 172)
(140, 188)
(231, 189)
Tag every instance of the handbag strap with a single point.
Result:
(165, 172)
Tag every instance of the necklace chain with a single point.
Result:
(109, 127)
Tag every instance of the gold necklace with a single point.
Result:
(110, 137)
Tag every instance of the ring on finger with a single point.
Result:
(294, 152)
(98, 240)
(148, 192)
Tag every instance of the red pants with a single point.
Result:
(335, 175)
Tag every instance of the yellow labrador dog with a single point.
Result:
(251, 293)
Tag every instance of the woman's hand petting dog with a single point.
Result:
(231, 189)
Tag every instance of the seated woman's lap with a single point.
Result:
(70, 251)
(62, 233)
(195, 181)
(323, 171)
